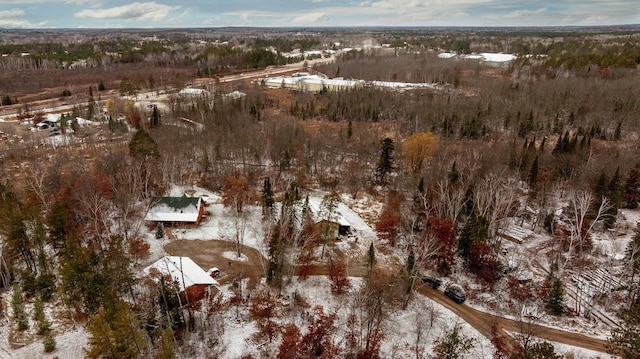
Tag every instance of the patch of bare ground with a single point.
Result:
(208, 254)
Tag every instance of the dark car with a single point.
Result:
(456, 293)
(431, 282)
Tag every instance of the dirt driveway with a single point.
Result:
(484, 322)
(208, 254)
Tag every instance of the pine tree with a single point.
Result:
(617, 136)
(475, 230)
(533, 174)
(115, 333)
(632, 189)
(614, 191)
(453, 344)
(17, 305)
(155, 117)
(555, 300)
(454, 174)
(44, 327)
(143, 145)
(267, 194)
(57, 222)
(371, 257)
(385, 162)
(625, 340)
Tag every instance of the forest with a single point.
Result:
(520, 182)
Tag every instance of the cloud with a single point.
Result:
(90, 3)
(138, 11)
(518, 14)
(311, 18)
(10, 14)
(14, 19)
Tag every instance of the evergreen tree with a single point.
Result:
(625, 340)
(453, 344)
(540, 350)
(614, 191)
(44, 326)
(555, 300)
(385, 162)
(142, 145)
(115, 333)
(533, 174)
(6, 101)
(454, 174)
(155, 117)
(57, 222)
(371, 257)
(49, 343)
(617, 136)
(475, 230)
(632, 189)
(267, 194)
(17, 305)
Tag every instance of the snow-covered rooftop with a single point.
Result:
(485, 56)
(174, 209)
(315, 203)
(492, 57)
(183, 270)
(447, 55)
(193, 92)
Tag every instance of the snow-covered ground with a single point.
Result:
(70, 339)
(400, 327)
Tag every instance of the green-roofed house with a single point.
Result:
(176, 210)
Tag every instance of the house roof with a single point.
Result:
(183, 270)
(174, 209)
(315, 204)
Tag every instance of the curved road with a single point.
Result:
(484, 323)
(209, 253)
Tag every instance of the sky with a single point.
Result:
(312, 13)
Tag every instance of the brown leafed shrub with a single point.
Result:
(338, 275)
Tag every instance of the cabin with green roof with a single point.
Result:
(176, 210)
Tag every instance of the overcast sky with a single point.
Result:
(282, 13)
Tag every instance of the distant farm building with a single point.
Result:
(487, 58)
(194, 93)
(176, 210)
(303, 81)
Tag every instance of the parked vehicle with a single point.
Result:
(432, 282)
(214, 272)
(456, 293)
